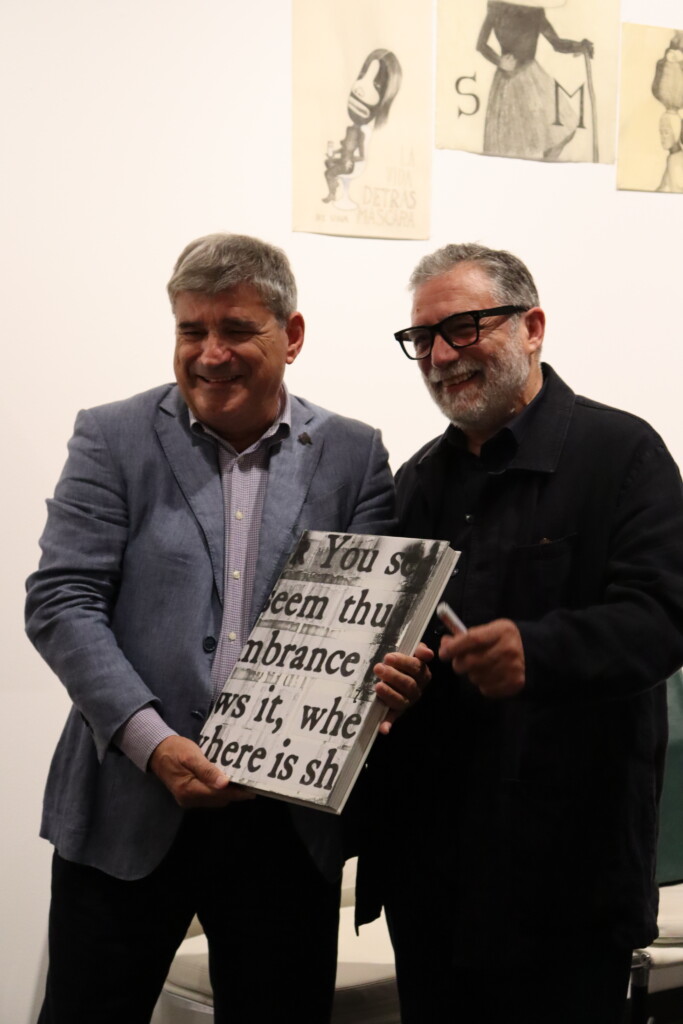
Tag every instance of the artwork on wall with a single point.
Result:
(362, 72)
(650, 157)
(535, 80)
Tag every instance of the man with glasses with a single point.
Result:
(512, 814)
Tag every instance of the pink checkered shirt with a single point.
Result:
(244, 476)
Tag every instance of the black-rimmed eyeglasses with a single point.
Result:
(459, 330)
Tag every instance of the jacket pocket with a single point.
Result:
(540, 578)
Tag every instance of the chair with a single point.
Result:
(670, 845)
(344, 201)
(665, 955)
(365, 992)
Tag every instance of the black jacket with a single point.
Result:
(536, 816)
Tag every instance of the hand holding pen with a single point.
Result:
(491, 656)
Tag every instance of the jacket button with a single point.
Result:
(196, 713)
(209, 644)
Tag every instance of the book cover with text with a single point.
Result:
(298, 714)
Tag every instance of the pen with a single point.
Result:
(450, 619)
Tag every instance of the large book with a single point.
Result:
(298, 714)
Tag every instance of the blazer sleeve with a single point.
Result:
(70, 599)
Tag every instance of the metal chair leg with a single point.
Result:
(640, 979)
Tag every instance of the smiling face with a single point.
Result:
(230, 357)
(481, 387)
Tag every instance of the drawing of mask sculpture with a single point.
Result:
(672, 140)
(667, 87)
(369, 102)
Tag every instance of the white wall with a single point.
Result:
(132, 127)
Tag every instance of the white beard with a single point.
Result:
(494, 398)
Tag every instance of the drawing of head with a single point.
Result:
(670, 129)
(674, 51)
(667, 85)
(374, 90)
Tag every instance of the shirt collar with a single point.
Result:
(279, 428)
(533, 439)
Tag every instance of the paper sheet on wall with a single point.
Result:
(650, 156)
(536, 80)
(362, 117)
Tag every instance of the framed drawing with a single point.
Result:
(361, 117)
(534, 80)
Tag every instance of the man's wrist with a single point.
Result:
(141, 735)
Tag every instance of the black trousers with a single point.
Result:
(270, 918)
(582, 982)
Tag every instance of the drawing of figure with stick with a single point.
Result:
(369, 102)
(667, 87)
(527, 114)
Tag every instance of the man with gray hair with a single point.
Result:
(171, 521)
(512, 814)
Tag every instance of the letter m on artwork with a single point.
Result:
(570, 95)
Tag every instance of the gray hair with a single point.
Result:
(216, 263)
(511, 282)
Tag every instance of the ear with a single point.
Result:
(295, 336)
(534, 322)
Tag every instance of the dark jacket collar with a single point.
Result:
(533, 440)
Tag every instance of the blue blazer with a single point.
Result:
(129, 592)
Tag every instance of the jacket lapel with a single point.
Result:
(292, 466)
(194, 464)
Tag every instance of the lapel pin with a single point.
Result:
(304, 439)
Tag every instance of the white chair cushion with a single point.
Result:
(366, 983)
(365, 973)
(367, 993)
(670, 917)
(189, 973)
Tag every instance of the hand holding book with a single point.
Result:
(402, 678)
(190, 777)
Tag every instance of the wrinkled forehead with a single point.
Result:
(465, 287)
(241, 301)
